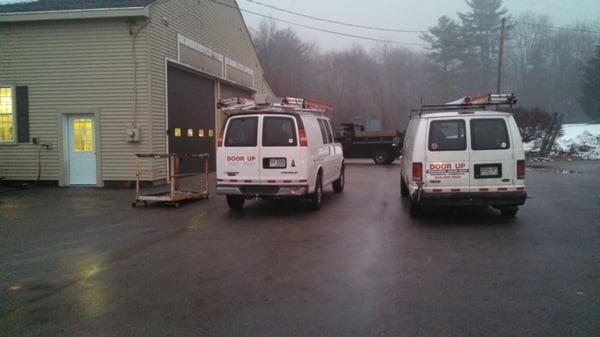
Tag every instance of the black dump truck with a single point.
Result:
(383, 146)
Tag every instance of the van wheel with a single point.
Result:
(338, 185)
(403, 188)
(235, 202)
(317, 196)
(415, 209)
(380, 157)
(509, 211)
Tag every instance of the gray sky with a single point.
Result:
(410, 15)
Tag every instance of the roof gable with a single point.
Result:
(69, 5)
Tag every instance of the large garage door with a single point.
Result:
(191, 124)
(228, 91)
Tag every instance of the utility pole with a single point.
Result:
(500, 52)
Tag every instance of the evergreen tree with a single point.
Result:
(590, 87)
(481, 29)
(448, 54)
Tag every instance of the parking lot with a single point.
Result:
(84, 262)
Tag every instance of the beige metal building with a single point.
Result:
(87, 84)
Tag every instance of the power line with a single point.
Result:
(398, 30)
(557, 28)
(316, 28)
(336, 22)
(331, 31)
(361, 26)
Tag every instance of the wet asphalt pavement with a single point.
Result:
(84, 262)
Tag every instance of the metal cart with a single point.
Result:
(175, 193)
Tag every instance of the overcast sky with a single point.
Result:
(405, 15)
(394, 15)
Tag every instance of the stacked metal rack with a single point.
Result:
(262, 102)
(468, 103)
(175, 194)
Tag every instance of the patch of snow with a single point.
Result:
(11, 2)
(578, 140)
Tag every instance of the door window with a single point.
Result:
(489, 134)
(241, 131)
(447, 135)
(82, 135)
(279, 131)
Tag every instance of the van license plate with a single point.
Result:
(277, 163)
(488, 171)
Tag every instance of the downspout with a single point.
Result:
(134, 34)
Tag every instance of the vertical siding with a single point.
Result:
(74, 66)
(87, 66)
(219, 27)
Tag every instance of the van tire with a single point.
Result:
(235, 202)
(415, 209)
(381, 157)
(509, 211)
(403, 188)
(338, 185)
(317, 196)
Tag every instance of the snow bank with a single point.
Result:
(580, 140)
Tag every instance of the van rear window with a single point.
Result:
(241, 131)
(279, 131)
(447, 135)
(489, 134)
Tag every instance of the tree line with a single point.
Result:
(549, 69)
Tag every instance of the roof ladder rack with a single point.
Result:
(468, 102)
(264, 102)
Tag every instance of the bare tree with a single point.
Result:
(528, 58)
(402, 83)
(590, 87)
(570, 48)
(351, 75)
(532, 122)
(286, 59)
(543, 67)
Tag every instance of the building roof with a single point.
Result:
(69, 5)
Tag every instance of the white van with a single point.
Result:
(459, 154)
(276, 150)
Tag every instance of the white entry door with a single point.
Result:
(82, 150)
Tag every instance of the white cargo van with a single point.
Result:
(277, 148)
(460, 154)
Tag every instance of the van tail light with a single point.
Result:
(220, 139)
(417, 171)
(520, 169)
(302, 135)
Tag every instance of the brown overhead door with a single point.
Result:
(191, 124)
(228, 91)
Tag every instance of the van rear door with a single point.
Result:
(492, 158)
(280, 158)
(447, 157)
(238, 153)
